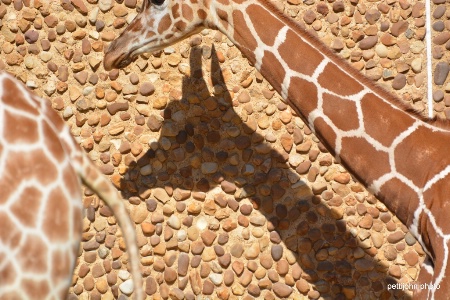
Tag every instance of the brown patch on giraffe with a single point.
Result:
(201, 14)
(56, 220)
(342, 84)
(43, 167)
(180, 25)
(8, 273)
(8, 185)
(422, 155)
(27, 205)
(187, 12)
(400, 199)
(436, 200)
(224, 2)
(223, 17)
(35, 289)
(26, 165)
(382, 121)
(303, 96)
(326, 134)
(362, 159)
(342, 112)
(267, 26)
(244, 38)
(304, 59)
(164, 24)
(32, 256)
(272, 70)
(10, 235)
(61, 264)
(149, 34)
(136, 25)
(14, 97)
(20, 129)
(176, 11)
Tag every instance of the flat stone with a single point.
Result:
(170, 275)
(395, 237)
(441, 38)
(237, 250)
(364, 265)
(31, 36)
(399, 28)
(390, 253)
(161, 195)
(411, 257)
(368, 42)
(281, 290)
(228, 277)
(441, 72)
(127, 287)
(80, 6)
(276, 252)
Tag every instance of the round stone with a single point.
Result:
(127, 287)
(276, 252)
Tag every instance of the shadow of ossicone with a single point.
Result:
(228, 214)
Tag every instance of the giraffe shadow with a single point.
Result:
(218, 168)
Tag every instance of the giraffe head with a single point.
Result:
(160, 23)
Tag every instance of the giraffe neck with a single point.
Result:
(366, 128)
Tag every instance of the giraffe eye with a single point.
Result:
(157, 2)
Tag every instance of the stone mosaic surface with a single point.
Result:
(232, 195)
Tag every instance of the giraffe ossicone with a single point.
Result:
(41, 169)
(401, 157)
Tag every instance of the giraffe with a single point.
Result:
(398, 155)
(41, 166)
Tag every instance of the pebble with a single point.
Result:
(368, 42)
(105, 5)
(440, 72)
(277, 252)
(127, 287)
(281, 290)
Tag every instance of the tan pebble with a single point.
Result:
(101, 285)
(120, 11)
(195, 281)
(160, 102)
(94, 63)
(160, 249)
(208, 254)
(253, 251)
(173, 59)
(156, 63)
(139, 213)
(108, 36)
(247, 82)
(237, 289)
(97, 46)
(193, 233)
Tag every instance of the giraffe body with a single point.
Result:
(399, 156)
(41, 169)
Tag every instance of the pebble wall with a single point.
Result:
(232, 195)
